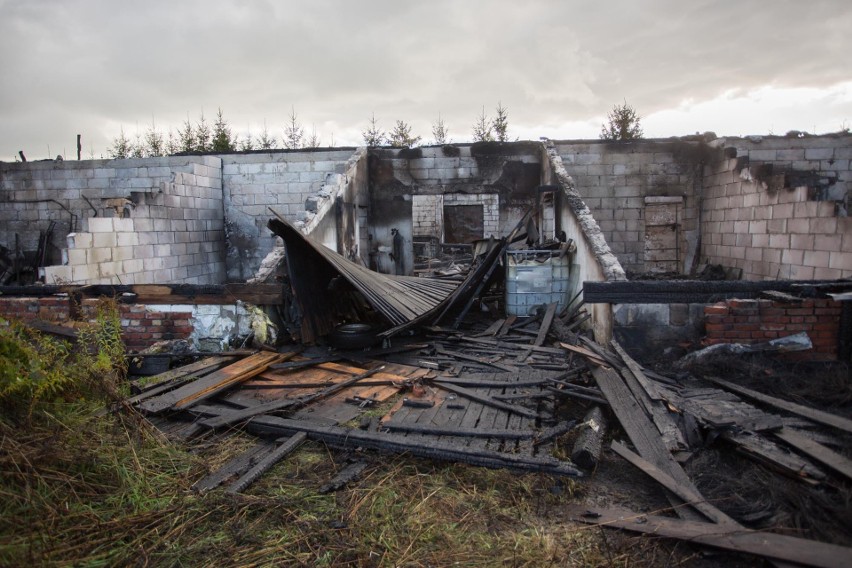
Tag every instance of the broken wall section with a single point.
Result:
(286, 181)
(207, 327)
(644, 195)
(130, 221)
(447, 194)
(779, 209)
(593, 260)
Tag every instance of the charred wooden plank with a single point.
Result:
(554, 432)
(694, 498)
(285, 449)
(641, 431)
(810, 413)
(817, 451)
(421, 447)
(487, 400)
(546, 322)
(575, 394)
(770, 545)
(345, 476)
(235, 466)
(288, 404)
(479, 360)
(213, 383)
(768, 453)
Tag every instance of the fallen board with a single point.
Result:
(817, 451)
(213, 383)
(642, 432)
(812, 414)
(769, 545)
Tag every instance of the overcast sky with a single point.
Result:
(736, 68)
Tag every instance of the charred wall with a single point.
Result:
(410, 188)
(778, 208)
(616, 180)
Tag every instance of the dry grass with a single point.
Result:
(112, 491)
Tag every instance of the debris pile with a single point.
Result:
(454, 384)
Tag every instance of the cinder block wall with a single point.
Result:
(174, 203)
(614, 178)
(779, 210)
(282, 180)
(409, 187)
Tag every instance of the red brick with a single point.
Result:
(800, 312)
(715, 310)
(827, 311)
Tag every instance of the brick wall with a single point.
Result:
(755, 321)
(141, 325)
(614, 178)
(778, 210)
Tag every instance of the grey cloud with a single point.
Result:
(70, 67)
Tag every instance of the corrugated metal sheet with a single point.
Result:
(313, 269)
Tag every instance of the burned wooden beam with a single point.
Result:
(285, 449)
(235, 466)
(259, 294)
(810, 413)
(589, 444)
(689, 291)
(421, 447)
(770, 545)
(487, 400)
(500, 433)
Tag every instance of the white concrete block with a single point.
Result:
(126, 239)
(123, 225)
(97, 255)
(132, 265)
(76, 256)
(101, 225)
(122, 253)
(103, 239)
(79, 240)
(57, 274)
(81, 274)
